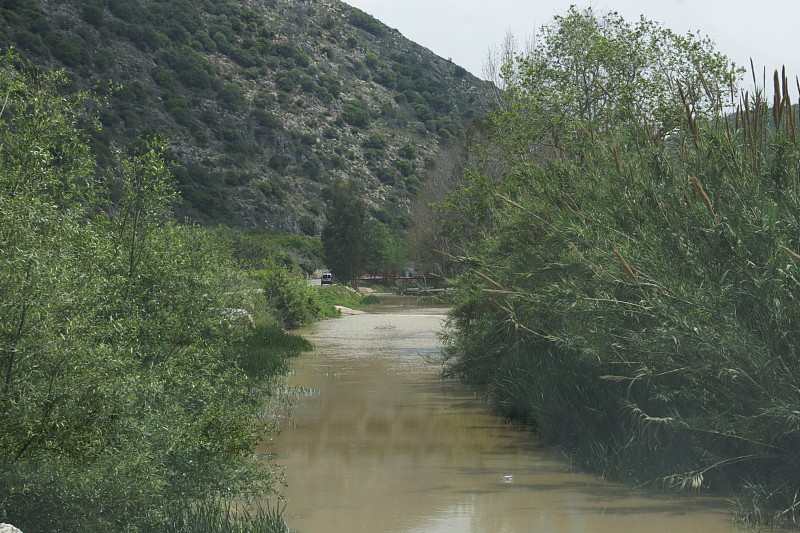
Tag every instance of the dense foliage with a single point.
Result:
(123, 402)
(353, 243)
(633, 290)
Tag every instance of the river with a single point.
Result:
(383, 445)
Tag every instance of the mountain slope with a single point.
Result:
(264, 102)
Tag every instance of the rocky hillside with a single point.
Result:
(264, 101)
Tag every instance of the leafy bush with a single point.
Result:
(93, 14)
(190, 67)
(365, 21)
(307, 225)
(278, 162)
(296, 303)
(374, 140)
(409, 151)
(267, 119)
(232, 96)
(356, 113)
(404, 166)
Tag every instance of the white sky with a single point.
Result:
(465, 30)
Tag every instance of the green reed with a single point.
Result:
(638, 300)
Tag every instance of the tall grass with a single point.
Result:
(265, 350)
(222, 517)
(638, 299)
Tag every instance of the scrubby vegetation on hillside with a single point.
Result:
(264, 103)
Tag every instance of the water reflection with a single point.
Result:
(387, 447)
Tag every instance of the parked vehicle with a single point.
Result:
(327, 278)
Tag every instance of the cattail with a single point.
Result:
(738, 115)
(747, 108)
(704, 83)
(625, 266)
(776, 100)
(785, 99)
(688, 110)
(703, 196)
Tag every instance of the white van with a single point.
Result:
(327, 278)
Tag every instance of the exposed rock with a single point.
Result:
(8, 528)
(347, 311)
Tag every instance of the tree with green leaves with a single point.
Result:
(122, 401)
(353, 243)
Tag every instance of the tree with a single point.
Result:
(120, 401)
(589, 72)
(352, 242)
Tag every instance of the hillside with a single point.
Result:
(264, 102)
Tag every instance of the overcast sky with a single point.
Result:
(465, 30)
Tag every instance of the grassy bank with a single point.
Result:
(223, 517)
(333, 295)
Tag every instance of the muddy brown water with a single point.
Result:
(386, 446)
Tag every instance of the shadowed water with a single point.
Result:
(387, 447)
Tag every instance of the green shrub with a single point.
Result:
(374, 140)
(267, 119)
(272, 189)
(386, 175)
(114, 323)
(412, 183)
(356, 113)
(163, 77)
(295, 302)
(191, 68)
(405, 167)
(232, 96)
(365, 21)
(307, 225)
(92, 14)
(103, 60)
(32, 43)
(278, 162)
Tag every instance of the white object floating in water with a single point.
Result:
(507, 479)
